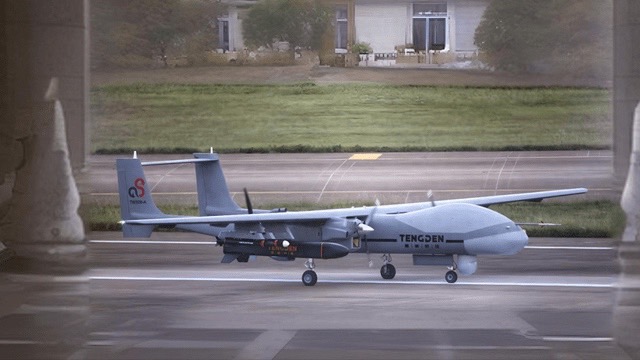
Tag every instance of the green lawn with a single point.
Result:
(307, 117)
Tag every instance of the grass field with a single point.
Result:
(593, 219)
(164, 118)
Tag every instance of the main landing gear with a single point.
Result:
(387, 271)
(451, 276)
(309, 277)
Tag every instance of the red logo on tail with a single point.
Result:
(137, 190)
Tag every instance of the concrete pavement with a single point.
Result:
(171, 298)
(391, 177)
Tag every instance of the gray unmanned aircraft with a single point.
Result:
(449, 233)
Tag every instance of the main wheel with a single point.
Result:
(243, 258)
(451, 276)
(388, 271)
(309, 278)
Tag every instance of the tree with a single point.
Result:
(301, 23)
(197, 29)
(584, 30)
(134, 33)
(547, 35)
(513, 34)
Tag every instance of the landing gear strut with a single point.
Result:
(309, 277)
(387, 271)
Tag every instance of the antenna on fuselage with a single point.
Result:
(430, 197)
(247, 200)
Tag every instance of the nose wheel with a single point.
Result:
(451, 276)
(387, 271)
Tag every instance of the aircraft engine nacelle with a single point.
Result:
(467, 264)
(339, 229)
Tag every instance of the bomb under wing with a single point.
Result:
(284, 248)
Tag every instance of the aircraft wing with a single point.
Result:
(359, 212)
(487, 201)
(289, 217)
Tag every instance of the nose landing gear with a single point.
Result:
(451, 276)
(387, 271)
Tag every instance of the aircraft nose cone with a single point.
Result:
(518, 241)
(507, 243)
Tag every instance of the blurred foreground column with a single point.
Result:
(39, 41)
(44, 297)
(627, 312)
(42, 224)
(626, 97)
(630, 201)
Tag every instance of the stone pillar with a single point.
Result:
(41, 40)
(42, 221)
(630, 201)
(626, 94)
(627, 311)
(43, 311)
(626, 98)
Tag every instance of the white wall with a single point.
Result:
(466, 17)
(383, 25)
(387, 23)
(236, 41)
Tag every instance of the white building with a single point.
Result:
(426, 26)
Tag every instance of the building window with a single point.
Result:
(430, 26)
(437, 31)
(437, 9)
(223, 34)
(341, 27)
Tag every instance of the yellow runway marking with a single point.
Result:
(365, 156)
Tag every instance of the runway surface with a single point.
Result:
(389, 177)
(170, 297)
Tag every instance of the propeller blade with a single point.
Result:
(364, 228)
(248, 201)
